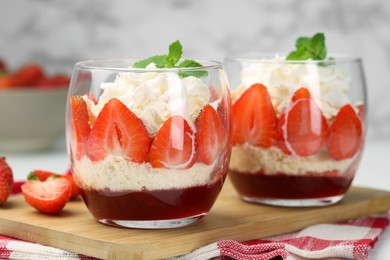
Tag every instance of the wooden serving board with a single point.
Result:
(75, 230)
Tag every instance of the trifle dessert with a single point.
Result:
(149, 145)
(298, 125)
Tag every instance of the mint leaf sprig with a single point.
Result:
(309, 48)
(171, 59)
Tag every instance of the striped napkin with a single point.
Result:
(352, 239)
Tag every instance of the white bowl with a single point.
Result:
(31, 119)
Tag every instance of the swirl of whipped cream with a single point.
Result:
(154, 97)
(328, 85)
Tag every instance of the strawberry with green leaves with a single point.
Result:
(43, 175)
(6, 180)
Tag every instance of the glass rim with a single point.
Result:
(103, 64)
(279, 58)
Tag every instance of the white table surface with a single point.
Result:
(374, 172)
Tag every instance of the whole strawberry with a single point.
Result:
(6, 180)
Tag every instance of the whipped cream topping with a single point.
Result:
(118, 174)
(154, 97)
(328, 85)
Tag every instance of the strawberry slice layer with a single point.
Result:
(118, 131)
(80, 128)
(302, 128)
(254, 120)
(345, 134)
(47, 197)
(174, 145)
(210, 136)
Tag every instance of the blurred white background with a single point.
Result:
(59, 33)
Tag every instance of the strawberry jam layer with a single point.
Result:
(151, 204)
(283, 186)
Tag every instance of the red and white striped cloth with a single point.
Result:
(351, 239)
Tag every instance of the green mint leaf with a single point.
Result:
(189, 63)
(309, 48)
(298, 55)
(159, 60)
(318, 46)
(195, 73)
(302, 41)
(170, 61)
(174, 54)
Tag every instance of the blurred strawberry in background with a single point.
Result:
(30, 76)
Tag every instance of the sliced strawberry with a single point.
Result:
(80, 127)
(92, 98)
(173, 146)
(210, 135)
(302, 128)
(92, 117)
(300, 94)
(118, 131)
(47, 197)
(362, 110)
(254, 120)
(6, 180)
(345, 134)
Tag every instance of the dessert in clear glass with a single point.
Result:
(149, 147)
(298, 128)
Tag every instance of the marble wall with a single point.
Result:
(58, 33)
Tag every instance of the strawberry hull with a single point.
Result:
(151, 204)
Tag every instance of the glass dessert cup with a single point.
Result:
(298, 128)
(149, 148)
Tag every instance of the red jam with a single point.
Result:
(283, 186)
(153, 204)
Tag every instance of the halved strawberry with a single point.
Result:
(49, 196)
(254, 120)
(6, 180)
(80, 127)
(174, 145)
(42, 175)
(345, 134)
(210, 135)
(118, 131)
(302, 128)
